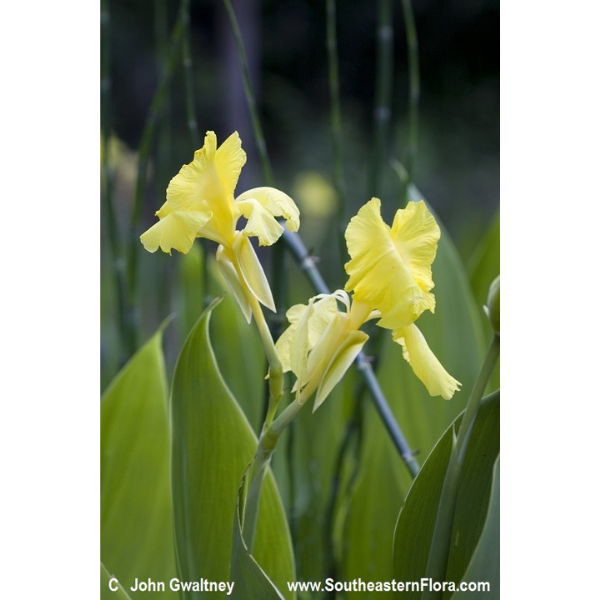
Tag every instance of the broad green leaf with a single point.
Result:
(244, 568)
(485, 563)
(417, 518)
(136, 517)
(109, 588)
(454, 333)
(212, 445)
(239, 352)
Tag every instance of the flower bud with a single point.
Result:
(492, 310)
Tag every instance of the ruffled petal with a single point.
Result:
(177, 230)
(251, 270)
(229, 160)
(261, 206)
(416, 235)
(207, 184)
(339, 364)
(379, 275)
(232, 278)
(261, 223)
(424, 363)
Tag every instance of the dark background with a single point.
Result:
(457, 166)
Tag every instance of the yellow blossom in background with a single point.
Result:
(200, 203)
(390, 272)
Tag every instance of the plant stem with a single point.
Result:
(336, 121)
(108, 211)
(150, 127)
(192, 122)
(442, 535)
(256, 125)
(383, 97)
(414, 92)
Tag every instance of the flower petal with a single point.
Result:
(207, 184)
(260, 206)
(231, 276)
(177, 230)
(251, 270)
(229, 160)
(416, 235)
(379, 274)
(307, 325)
(339, 364)
(326, 347)
(424, 363)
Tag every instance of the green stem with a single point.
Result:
(414, 92)
(442, 535)
(264, 452)
(149, 132)
(192, 123)
(189, 76)
(266, 446)
(336, 121)
(256, 125)
(275, 367)
(383, 98)
(108, 210)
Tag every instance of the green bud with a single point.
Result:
(492, 310)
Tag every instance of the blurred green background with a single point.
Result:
(456, 168)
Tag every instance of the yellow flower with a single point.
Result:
(390, 271)
(321, 343)
(200, 203)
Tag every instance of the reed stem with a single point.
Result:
(414, 93)
(125, 343)
(150, 128)
(383, 96)
(336, 122)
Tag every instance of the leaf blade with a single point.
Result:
(212, 445)
(136, 522)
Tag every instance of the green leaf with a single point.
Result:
(106, 584)
(212, 445)
(244, 568)
(239, 351)
(416, 522)
(485, 563)
(136, 517)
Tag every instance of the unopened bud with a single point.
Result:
(492, 310)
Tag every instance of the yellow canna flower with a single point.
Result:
(321, 343)
(390, 272)
(200, 203)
